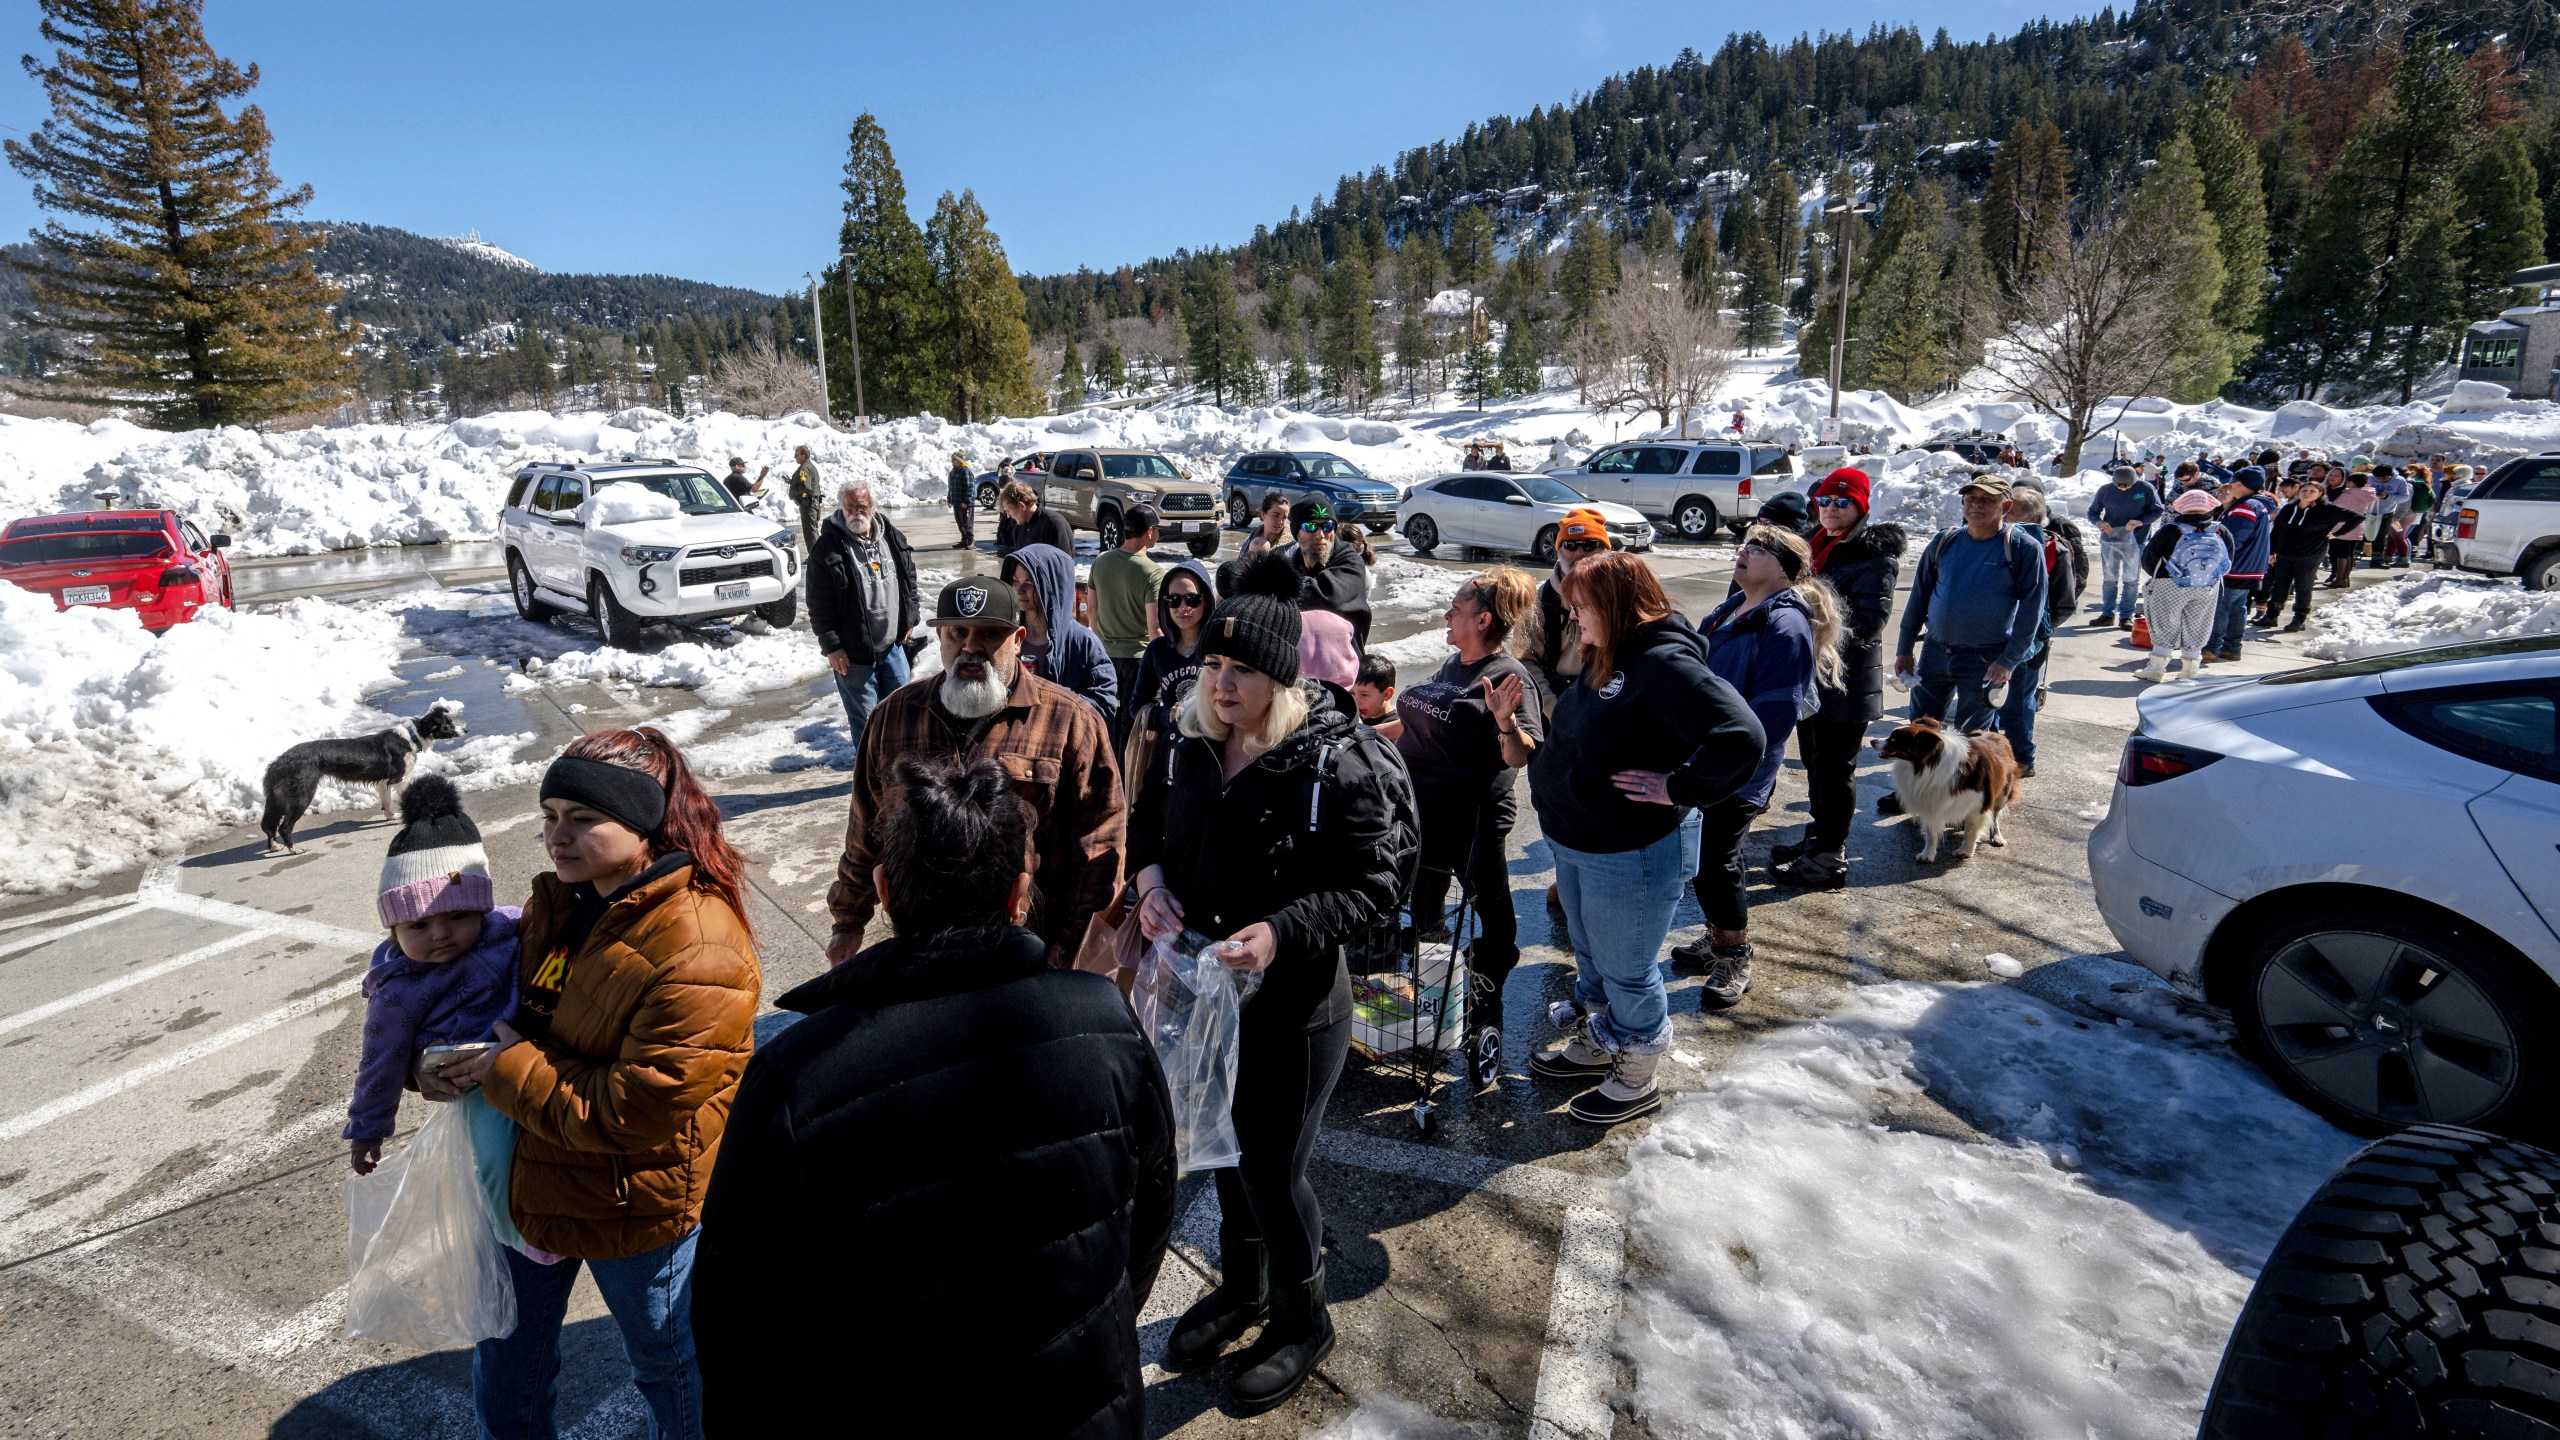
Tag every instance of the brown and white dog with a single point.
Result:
(1946, 779)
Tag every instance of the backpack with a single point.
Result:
(2202, 557)
(1403, 845)
(2066, 569)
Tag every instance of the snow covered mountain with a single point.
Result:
(478, 248)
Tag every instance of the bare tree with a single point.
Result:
(763, 382)
(1671, 354)
(2100, 324)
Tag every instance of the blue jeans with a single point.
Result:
(515, 1380)
(2229, 614)
(865, 686)
(2119, 574)
(1949, 686)
(2017, 716)
(1618, 907)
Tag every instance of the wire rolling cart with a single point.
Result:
(1404, 1021)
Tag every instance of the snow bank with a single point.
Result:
(116, 746)
(720, 672)
(1809, 1264)
(623, 504)
(2409, 612)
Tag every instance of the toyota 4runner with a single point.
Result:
(650, 541)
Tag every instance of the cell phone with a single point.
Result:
(436, 1059)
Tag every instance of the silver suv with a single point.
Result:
(642, 542)
(2509, 524)
(1689, 486)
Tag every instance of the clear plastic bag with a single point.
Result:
(1191, 1003)
(424, 1267)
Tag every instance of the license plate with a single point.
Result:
(732, 592)
(84, 595)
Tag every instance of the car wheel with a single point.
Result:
(1380, 529)
(619, 627)
(529, 601)
(2543, 572)
(1422, 535)
(1737, 528)
(2411, 1296)
(986, 494)
(1543, 548)
(782, 612)
(2379, 1022)
(1203, 546)
(1108, 528)
(1695, 518)
(1239, 511)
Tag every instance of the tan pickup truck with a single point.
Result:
(1091, 487)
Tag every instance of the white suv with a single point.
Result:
(2508, 525)
(1692, 487)
(644, 542)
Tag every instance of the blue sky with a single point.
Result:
(706, 141)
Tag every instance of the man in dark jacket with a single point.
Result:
(960, 488)
(1054, 646)
(1861, 561)
(1330, 574)
(862, 602)
(2246, 510)
(2123, 512)
(1033, 522)
(962, 1157)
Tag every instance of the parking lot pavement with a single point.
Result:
(176, 1048)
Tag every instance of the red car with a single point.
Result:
(153, 562)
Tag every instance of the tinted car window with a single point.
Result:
(1613, 462)
(1261, 465)
(1717, 462)
(2536, 479)
(1068, 465)
(1473, 487)
(1772, 460)
(2513, 727)
(1659, 460)
(521, 493)
(1138, 467)
(1552, 492)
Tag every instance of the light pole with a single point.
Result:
(1840, 331)
(853, 328)
(818, 337)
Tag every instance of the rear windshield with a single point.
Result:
(1138, 467)
(2403, 659)
(698, 493)
(75, 545)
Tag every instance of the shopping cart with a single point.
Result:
(1404, 1022)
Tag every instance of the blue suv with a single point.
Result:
(1297, 474)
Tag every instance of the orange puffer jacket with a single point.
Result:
(622, 1107)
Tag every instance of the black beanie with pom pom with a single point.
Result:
(1258, 624)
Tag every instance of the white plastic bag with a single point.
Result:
(1190, 1003)
(425, 1269)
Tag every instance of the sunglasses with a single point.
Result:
(1186, 602)
(1316, 527)
(1583, 547)
(1831, 502)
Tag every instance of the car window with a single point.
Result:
(2513, 727)
(1470, 487)
(1033, 463)
(1332, 467)
(1660, 460)
(2530, 480)
(520, 494)
(1717, 462)
(72, 545)
(698, 493)
(1499, 491)
(1548, 491)
(195, 537)
(2404, 659)
(1138, 467)
(546, 495)
(567, 493)
(1772, 460)
(1613, 462)
(1259, 464)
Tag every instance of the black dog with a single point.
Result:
(382, 759)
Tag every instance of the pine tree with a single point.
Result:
(2236, 199)
(1421, 262)
(2422, 318)
(1520, 374)
(1414, 350)
(1071, 386)
(1213, 331)
(892, 280)
(1480, 375)
(2500, 222)
(1588, 274)
(984, 348)
(1659, 237)
(1349, 347)
(1470, 248)
(1779, 220)
(1701, 268)
(1279, 313)
(194, 301)
(2026, 226)
(1373, 243)
(1298, 386)
(1760, 296)
(1968, 302)
(2183, 250)
(1900, 322)
(1110, 367)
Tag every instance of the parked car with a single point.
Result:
(1355, 497)
(2356, 860)
(643, 542)
(2509, 524)
(1978, 447)
(1092, 487)
(1511, 511)
(1028, 468)
(1691, 486)
(155, 563)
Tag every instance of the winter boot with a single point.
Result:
(1628, 1092)
(1728, 977)
(1576, 1059)
(1287, 1351)
(1241, 1301)
(1813, 870)
(2155, 669)
(1786, 851)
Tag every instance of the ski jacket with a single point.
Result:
(1341, 586)
(1766, 654)
(1862, 568)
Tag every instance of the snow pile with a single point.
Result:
(625, 504)
(116, 746)
(1811, 1265)
(720, 672)
(2409, 612)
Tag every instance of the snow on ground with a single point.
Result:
(1812, 1259)
(2407, 612)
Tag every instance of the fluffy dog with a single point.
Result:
(1947, 779)
(382, 760)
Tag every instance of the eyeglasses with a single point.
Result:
(1749, 547)
(1186, 602)
(1316, 527)
(1830, 502)
(1583, 547)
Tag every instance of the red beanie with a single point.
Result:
(1847, 480)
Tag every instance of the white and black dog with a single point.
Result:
(382, 759)
(1948, 780)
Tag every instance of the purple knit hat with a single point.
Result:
(436, 863)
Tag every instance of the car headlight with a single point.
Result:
(647, 554)
(782, 538)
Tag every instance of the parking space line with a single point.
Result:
(64, 912)
(105, 988)
(108, 1089)
(29, 942)
(160, 892)
(236, 1163)
(1577, 1367)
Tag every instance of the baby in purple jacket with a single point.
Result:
(448, 972)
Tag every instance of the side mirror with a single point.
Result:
(1515, 498)
(221, 541)
(1087, 472)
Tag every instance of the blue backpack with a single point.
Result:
(2202, 557)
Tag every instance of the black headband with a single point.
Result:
(630, 796)
(1785, 557)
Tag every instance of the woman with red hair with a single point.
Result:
(635, 1016)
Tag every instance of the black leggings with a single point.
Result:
(1454, 841)
(1719, 882)
(1283, 1078)
(1829, 749)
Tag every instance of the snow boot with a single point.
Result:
(1629, 1091)
(1576, 1059)
(1287, 1351)
(1728, 977)
(2154, 670)
(1241, 1301)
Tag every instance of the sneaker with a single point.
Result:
(2124, 622)
(1728, 977)
(1813, 872)
(1889, 803)
(2155, 672)
(1696, 955)
(2105, 619)
(1629, 1091)
(2026, 769)
(1576, 1059)
(2296, 628)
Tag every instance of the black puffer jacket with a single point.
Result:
(835, 594)
(1239, 851)
(1862, 570)
(961, 1150)
(1340, 585)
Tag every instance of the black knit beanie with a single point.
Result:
(1258, 625)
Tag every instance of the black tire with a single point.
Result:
(1108, 527)
(2542, 572)
(529, 601)
(781, 612)
(1695, 518)
(1737, 528)
(619, 627)
(986, 494)
(1543, 548)
(2418, 1293)
(1239, 511)
(1421, 534)
(1380, 528)
(1203, 546)
(2378, 1019)
(1484, 1058)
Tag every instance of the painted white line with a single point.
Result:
(20, 1232)
(1576, 1369)
(1467, 1172)
(108, 1089)
(160, 891)
(105, 988)
(46, 937)
(320, 1320)
(65, 912)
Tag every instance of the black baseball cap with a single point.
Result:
(975, 601)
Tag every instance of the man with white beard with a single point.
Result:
(1054, 747)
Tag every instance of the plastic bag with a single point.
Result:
(1190, 1004)
(425, 1269)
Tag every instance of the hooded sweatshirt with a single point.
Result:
(409, 1006)
(1663, 710)
(1075, 658)
(1341, 585)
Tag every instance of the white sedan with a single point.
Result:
(1508, 510)
(2357, 861)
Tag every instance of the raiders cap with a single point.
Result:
(976, 601)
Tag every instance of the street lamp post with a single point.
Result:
(818, 337)
(853, 328)
(1840, 331)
